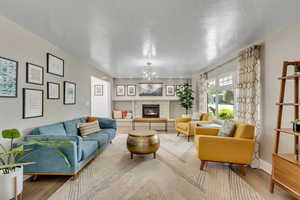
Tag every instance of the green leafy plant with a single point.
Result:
(296, 121)
(226, 114)
(185, 94)
(10, 158)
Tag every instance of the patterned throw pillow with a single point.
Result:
(88, 128)
(227, 129)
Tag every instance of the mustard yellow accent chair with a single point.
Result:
(187, 127)
(238, 149)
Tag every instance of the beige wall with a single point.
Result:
(278, 47)
(23, 46)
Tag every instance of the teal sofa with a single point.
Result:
(80, 151)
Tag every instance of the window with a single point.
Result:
(221, 96)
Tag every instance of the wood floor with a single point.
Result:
(47, 185)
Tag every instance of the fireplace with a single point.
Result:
(151, 110)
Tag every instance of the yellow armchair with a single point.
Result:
(237, 149)
(187, 127)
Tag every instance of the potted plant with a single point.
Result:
(185, 94)
(296, 125)
(11, 169)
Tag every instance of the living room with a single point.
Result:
(149, 100)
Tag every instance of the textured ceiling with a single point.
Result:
(184, 35)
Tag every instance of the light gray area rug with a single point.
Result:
(173, 175)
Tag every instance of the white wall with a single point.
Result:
(101, 105)
(21, 45)
(283, 45)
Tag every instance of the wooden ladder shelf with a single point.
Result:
(286, 166)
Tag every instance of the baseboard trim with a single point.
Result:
(267, 167)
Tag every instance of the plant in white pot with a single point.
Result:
(11, 170)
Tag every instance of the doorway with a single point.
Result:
(100, 97)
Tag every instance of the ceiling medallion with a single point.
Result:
(148, 73)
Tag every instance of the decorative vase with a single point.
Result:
(296, 127)
(11, 183)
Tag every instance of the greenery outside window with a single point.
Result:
(221, 96)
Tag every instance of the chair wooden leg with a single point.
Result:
(272, 186)
(243, 170)
(188, 138)
(202, 164)
(178, 133)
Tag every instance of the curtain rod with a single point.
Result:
(220, 65)
(257, 44)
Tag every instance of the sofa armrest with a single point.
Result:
(225, 149)
(77, 140)
(206, 131)
(106, 123)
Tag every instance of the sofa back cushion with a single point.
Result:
(71, 127)
(244, 131)
(53, 129)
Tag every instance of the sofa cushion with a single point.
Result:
(88, 148)
(54, 129)
(101, 138)
(110, 132)
(71, 127)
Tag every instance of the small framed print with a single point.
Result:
(34, 74)
(8, 78)
(33, 103)
(98, 90)
(131, 90)
(170, 90)
(53, 90)
(55, 65)
(120, 90)
(69, 93)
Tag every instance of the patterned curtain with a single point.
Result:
(249, 92)
(202, 92)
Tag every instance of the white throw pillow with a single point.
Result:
(227, 129)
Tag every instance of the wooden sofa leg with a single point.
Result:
(110, 142)
(178, 133)
(243, 170)
(34, 178)
(202, 164)
(75, 176)
(189, 138)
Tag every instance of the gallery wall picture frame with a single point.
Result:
(170, 90)
(53, 90)
(131, 90)
(120, 90)
(69, 93)
(8, 78)
(55, 65)
(33, 103)
(34, 74)
(98, 90)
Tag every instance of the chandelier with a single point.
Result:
(148, 73)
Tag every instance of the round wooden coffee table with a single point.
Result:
(143, 142)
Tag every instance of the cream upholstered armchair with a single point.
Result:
(187, 127)
(238, 149)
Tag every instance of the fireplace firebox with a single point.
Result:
(151, 110)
